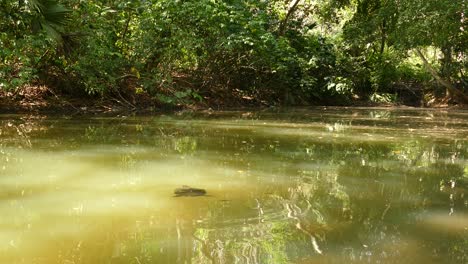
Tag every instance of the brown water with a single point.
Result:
(291, 186)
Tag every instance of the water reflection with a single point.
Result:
(297, 186)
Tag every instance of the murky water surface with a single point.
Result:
(290, 186)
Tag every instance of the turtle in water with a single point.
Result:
(189, 191)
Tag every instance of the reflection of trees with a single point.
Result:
(353, 199)
(15, 132)
(185, 145)
(389, 190)
(365, 197)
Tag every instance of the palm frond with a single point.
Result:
(57, 14)
(51, 16)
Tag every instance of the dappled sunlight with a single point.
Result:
(445, 222)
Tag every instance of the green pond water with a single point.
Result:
(322, 185)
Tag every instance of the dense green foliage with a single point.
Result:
(258, 51)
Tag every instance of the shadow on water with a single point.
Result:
(297, 186)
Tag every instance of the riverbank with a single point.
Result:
(40, 99)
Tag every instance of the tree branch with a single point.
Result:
(283, 24)
(446, 84)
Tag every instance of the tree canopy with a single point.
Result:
(259, 52)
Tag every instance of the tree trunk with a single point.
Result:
(460, 96)
(283, 24)
(446, 67)
(383, 39)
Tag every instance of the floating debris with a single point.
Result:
(189, 191)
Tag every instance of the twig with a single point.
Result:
(43, 55)
(124, 100)
(62, 100)
(385, 211)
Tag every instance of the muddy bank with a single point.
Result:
(40, 99)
